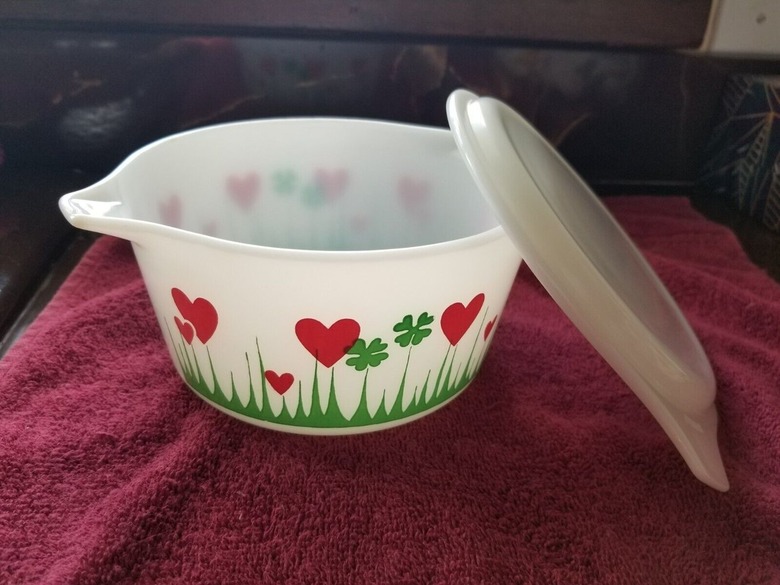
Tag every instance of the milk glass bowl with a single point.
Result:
(320, 276)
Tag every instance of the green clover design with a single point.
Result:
(285, 181)
(367, 356)
(411, 332)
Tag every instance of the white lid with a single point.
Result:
(594, 272)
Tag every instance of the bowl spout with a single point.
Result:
(98, 208)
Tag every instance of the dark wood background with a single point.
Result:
(624, 23)
(85, 82)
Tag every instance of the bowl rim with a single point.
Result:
(474, 240)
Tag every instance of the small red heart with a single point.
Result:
(359, 223)
(170, 211)
(489, 328)
(327, 344)
(411, 189)
(210, 228)
(414, 195)
(457, 319)
(280, 383)
(244, 190)
(186, 330)
(199, 312)
(333, 183)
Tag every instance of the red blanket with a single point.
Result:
(111, 471)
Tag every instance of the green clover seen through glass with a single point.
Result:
(285, 181)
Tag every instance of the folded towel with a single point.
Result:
(547, 469)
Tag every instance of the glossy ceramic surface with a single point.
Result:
(319, 276)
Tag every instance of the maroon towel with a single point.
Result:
(546, 470)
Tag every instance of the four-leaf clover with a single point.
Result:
(367, 356)
(285, 182)
(411, 332)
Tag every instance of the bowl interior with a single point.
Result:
(322, 184)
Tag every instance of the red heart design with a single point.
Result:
(199, 312)
(280, 383)
(413, 189)
(209, 229)
(186, 330)
(489, 328)
(359, 223)
(327, 344)
(457, 319)
(244, 190)
(331, 183)
(414, 195)
(170, 211)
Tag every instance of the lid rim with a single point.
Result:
(634, 324)
(479, 126)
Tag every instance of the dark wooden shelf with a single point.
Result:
(639, 23)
